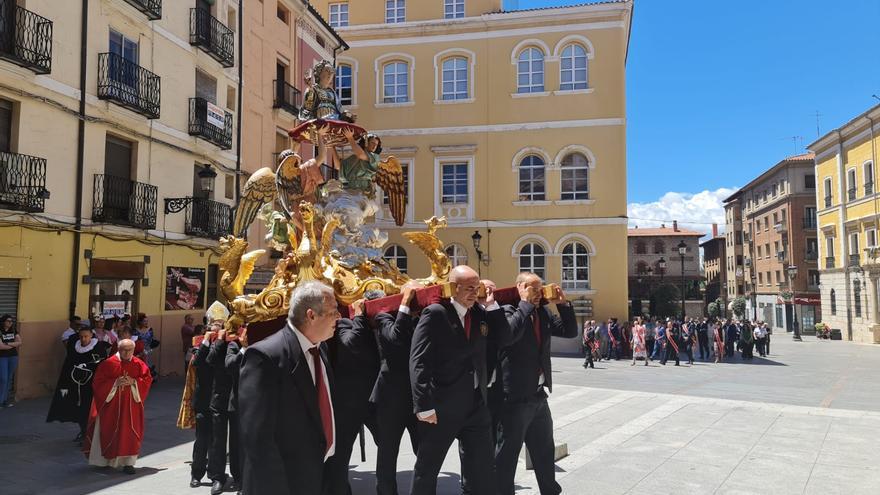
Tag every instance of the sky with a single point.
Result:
(720, 91)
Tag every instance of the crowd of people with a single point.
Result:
(652, 339)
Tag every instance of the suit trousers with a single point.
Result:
(204, 424)
(475, 448)
(217, 454)
(528, 422)
(234, 447)
(349, 420)
(670, 353)
(704, 346)
(392, 420)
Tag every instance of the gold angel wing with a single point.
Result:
(390, 179)
(245, 269)
(258, 190)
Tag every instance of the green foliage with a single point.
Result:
(666, 301)
(739, 306)
(716, 308)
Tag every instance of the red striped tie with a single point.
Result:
(323, 399)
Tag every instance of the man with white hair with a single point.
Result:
(287, 420)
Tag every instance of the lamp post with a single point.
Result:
(662, 266)
(476, 238)
(682, 248)
(206, 183)
(792, 274)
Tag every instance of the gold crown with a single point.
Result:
(217, 311)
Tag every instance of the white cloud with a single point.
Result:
(693, 211)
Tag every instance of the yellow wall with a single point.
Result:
(373, 12)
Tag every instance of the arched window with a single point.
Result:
(659, 247)
(868, 174)
(454, 79)
(857, 297)
(575, 267)
(573, 68)
(531, 179)
(530, 71)
(641, 247)
(344, 84)
(396, 255)
(395, 82)
(833, 297)
(531, 259)
(575, 178)
(457, 255)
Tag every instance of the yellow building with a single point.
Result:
(108, 109)
(849, 219)
(512, 124)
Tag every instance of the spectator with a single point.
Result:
(10, 341)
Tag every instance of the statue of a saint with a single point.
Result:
(320, 100)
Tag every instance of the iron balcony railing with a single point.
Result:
(129, 85)
(25, 38)
(151, 8)
(124, 202)
(209, 34)
(854, 260)
(811, 256)
(22, 182)
(851, 193)
(210, 123)
(208, 218)
(287, 97)
(809, 223)
(869, 188)
(827, 201)
(829, 262)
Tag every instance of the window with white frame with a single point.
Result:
(530, 71)
(395, 82)
(531, 259)
(573, 68)
(868, 169)
(344, 83)
(454, 79)
(575, 177)
(854, 244)
(456, 254)
(827, 183)
(531, 179)
(454, 183)
(338, 14)
(453, 9)
(396, 255)
(851, 183)
(395, 11)
(575, 267)
(871, 238)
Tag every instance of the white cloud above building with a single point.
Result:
(693, 211)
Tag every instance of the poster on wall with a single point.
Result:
(184, 288)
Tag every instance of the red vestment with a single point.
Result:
(116, 421)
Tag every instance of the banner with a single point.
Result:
(216, 116)
(184, 288)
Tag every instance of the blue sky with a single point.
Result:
(717, 89)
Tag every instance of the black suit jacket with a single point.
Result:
(281, 433)
(204, 380)
(443, 361)
(233, 363)
(222, 381)
(354, 357)
(394, 336)
(523, 360)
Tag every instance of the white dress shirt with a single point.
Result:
(306, 344)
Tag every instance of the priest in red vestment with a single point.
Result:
(116, 422)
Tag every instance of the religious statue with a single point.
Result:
(321, 109)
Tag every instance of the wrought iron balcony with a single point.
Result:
(851, 193)
(22, 182)
(151, 8)
(811, 256)
(124, 202)
(827, 201)
(854, 260)
(809, 222)
(208, 218)
(869, 188)
(287, 97)
(209, 34)
(210, 123)
(829, 262)
(25, 38)
(129, 85)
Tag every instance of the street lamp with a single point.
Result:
(792, 274)
(662, 266)
(206, 183)
(476, 238)
(682, 248)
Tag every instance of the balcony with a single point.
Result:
(151, 8)
(781, 227)
(128, 85)
(809, 222)
(781, 256)
(210, 122)
(869, 188)
(22, 182)
(208, 218)
(829, 262)
(25, 38)
(209, 34)
(854, 260)
(124, 202)
(287, 97)
(827, 201)
(811, 256)
(851, 193)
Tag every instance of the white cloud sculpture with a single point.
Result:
(694, 211)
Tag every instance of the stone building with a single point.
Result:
(714, 266)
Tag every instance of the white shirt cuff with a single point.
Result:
(493, 306)
(403, 309)
(492, 378)
(426, 414)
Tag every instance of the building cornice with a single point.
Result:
(847, 129)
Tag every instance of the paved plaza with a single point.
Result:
(801, 421)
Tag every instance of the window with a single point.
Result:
(282, 13)
(760, 278)
(854, 244)
(778, 312)
(833, 298)
(231, 19)
(338, 15)
(455, 183)
(766, 223)
(395, 82)
(530, 71)
(774, 189)
(457, 255)
(871, 238)
(767, 249)
(776, 246)
(531, 259)
(659, 247)
(827, 192)
(813, 278)
(775, 218)
(810, 181)
(5, 125)
(344, 84)
(778, 277)
(851, 184)
(759, 252)
(453, 9)
(829, 247)
(124, 47)
(231, 99)
(641, 247)
(868, 169)
(531, 179)
(124, 68)
(395, 11)
(812, 248)
(396, 256)
(810, 217)
(455, 79)
(857, 297)
(573, 68)
(575, 267)
(575, 183)
(229, 187)
(206, 87)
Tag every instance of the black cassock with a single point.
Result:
(73, 394)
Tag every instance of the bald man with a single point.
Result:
(449, 383)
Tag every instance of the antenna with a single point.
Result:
(817, 124)
(794, 140)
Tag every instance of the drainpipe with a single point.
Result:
(80, 159)
(239, 102)
(876, 229)
(844, 245)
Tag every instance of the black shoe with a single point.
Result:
(128, 469)
(585, 365)
(235, 486)
(194, 483)
(217, 487)
(677, 364)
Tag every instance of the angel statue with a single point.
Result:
(321, 108)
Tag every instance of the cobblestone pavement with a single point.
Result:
(801, 421)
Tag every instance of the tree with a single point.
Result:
(739, 307)
(666, 301)
(716, 308)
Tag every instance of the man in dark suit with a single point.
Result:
(202, 408)
(234, 351)
(525, 374)
(449, 378)
(703, 338)
(616, 339)
(392, 395)
(673, 337)
(284, 391)
(219, 412)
